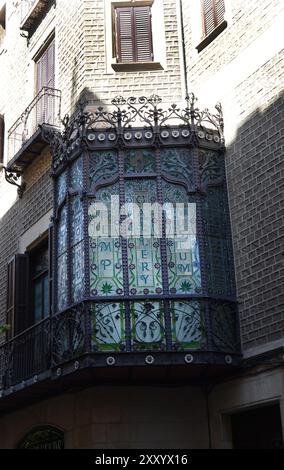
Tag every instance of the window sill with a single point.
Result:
(218, 30)
(136, 66)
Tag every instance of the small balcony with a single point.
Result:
(63, 350)
(31, 11)
(24, 138)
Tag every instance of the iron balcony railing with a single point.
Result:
(72, 335)
(44, 109)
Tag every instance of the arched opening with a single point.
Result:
(45, 437)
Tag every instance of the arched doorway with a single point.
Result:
(44, 437)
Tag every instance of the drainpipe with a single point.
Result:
(183, 61)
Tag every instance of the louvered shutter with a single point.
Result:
(10, 298)
(46, 68)
(134, 34)
(143, 34)
(219, 11)
(18, 315)
(125, 35)
(2, 137)
(213, 13)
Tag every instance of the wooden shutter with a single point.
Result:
(18, 315)
(143, 34)
(213, 14)
(46, 68)
(2, 137)
(134, 34)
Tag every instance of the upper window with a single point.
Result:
(213, 14)
(133, 34)
(45, 67)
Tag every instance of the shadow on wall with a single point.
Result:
(255, 174)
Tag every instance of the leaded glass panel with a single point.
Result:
(77, 221)
(103, 167)
(62, 282)
(144, 253)
(188, 330)
(62, 233)
(140, 161)
(108, 326)
(147, 326)
(78, 272)
(76, 177)
(61, 188)
(184, 268)
(106, 271)
(177, 164)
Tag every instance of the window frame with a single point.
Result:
(207, 38)
(158, 37)
(117, 37)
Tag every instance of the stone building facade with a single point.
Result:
(238, 62)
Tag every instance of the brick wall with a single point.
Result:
(244, 69)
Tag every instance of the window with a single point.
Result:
(133, 34)
(213, 14)
(28, 289)
(213, 21)
(45, 67)
(39, 283)
(2, 137)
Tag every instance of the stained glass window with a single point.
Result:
(106, 271)
(108, 327)
(188, 329)
(148, 326)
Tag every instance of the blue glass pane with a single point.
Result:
(147, 326)
(62, 232)
(76, 179)
(188, 330)
(62, 298)
(61, 188)
(77, 221)
(78, 273)
(108, 326)
(103, 166)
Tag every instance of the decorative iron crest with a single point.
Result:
(136, 121)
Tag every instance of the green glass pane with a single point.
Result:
(188, 331)
(184, 269)
(144, 251)
(106, 272)
(148, 326)
(140, 161)
(108, 327)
